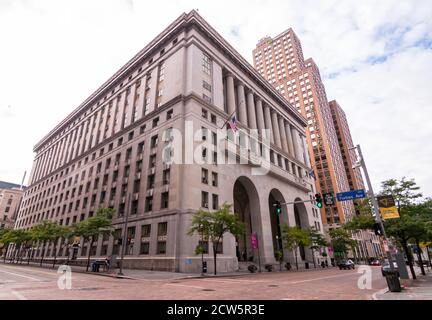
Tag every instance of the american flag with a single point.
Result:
(233, 123)
(312, 174)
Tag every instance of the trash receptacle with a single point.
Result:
(306, 265)
(393, 282)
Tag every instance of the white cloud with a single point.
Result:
(56, 53)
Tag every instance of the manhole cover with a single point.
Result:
(208, 290)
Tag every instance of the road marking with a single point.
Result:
(30, 270)
(321, 278)
(19, 275)
(184, 285)
(18, 295)
(230, 280)
(382, 291)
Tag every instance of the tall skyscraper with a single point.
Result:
(368, 243)
(280, 60)
(180, 90)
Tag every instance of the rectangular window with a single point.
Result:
(215, 201)
(204, 176)
(214, 179)
(204, 199)
(161, 247)
(145, 230)
(154, 141)
(206, 64)
(164, 200)
(162, 228)
(148, 204)
(145, 248)
(206, 85)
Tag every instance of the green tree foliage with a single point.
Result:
(91, 228)
(294, 237)
(213, 225)
(317, 241)
(341, 241)
(411, 223)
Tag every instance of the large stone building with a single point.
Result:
(10, 198)
(369, 245)
(152, 132)
(280, 60)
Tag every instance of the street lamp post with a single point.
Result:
(374, 201)
(124, 235)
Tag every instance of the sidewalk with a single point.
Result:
(420, 289)
(151, 275)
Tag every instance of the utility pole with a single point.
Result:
(374, 201)
(124, 234)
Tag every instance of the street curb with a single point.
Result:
(382, 291)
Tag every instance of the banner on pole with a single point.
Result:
(254, 240)
(387, 207)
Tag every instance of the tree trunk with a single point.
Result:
(313, 258)
(43, 253)
(55, 253)
(295, 255)
(89, 254)
(5, 254)
(408, 254)
(420, 257)
(30, 250)
(428, 255)
(214, 256)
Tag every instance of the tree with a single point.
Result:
(341, 241)
(20, 237)
(43, 233)
(60, 233)
(293, 238)
(363, 220)
(317, 242)
(4, 241)
(213, 225)
(405, 192)
(91, 228)
(10, 236)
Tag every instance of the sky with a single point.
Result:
(375, 58)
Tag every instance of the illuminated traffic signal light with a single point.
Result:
(377, 229)
(278, 208)
(318, 200)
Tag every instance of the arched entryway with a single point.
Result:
(301, 220)
(277, 221)
(246, 207)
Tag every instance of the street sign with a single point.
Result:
(351, 195)
(329, 199)
(387, 207)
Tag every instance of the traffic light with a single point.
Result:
(318, 200)
(278, 208)
(377, 229)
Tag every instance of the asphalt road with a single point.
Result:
(32, 283)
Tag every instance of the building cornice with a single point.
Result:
(186, 20)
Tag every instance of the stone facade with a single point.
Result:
(115, 146)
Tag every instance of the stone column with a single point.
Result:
(268, 124)
(306, 152)
(230, 94)
(259, 115)
(251, 110)
(276, 132)
(289, 139)
(283, 134)
(241, 104)
(297, 148)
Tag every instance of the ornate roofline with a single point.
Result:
(175, 27)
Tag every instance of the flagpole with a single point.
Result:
(228, 119)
